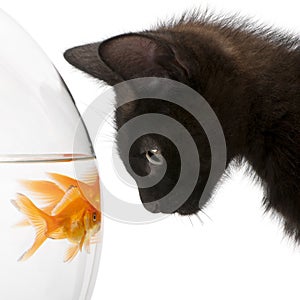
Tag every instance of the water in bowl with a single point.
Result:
(47, 274)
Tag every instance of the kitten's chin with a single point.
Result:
(187, 211)
(154, 207)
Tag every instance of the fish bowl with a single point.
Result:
(50, 212)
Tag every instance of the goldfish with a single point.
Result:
(50, 193)
(71, 211)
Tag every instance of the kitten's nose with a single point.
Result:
(153, 207)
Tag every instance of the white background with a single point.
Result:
(239, 253)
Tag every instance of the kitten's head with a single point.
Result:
(152, 54)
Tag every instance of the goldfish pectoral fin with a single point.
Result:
(82, 242)
(87, 245)
(71, 253)
(95, 239)
(40, 239)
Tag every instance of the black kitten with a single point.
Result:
(249, 75)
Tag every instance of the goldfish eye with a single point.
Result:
(94, 217)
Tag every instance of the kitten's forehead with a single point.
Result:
(150, 142)
(132, 109)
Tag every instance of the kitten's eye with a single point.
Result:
(154, 157)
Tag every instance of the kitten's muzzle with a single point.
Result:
(152, 207)
(185, 209)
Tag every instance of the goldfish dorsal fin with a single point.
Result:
(90, 177)
(92, 193)
(71, 253)
(72, 194)
(63, 181)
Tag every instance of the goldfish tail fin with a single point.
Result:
(22, 223)
(71, 253)
(39, 240)
(47, 192)
(37, 218)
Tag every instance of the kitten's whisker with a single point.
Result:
(202, 211)
(106, 118)
(106, 141)
(107, 135)
(198, 217)
(191, 220)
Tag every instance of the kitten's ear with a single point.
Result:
(128, 56)
(86, 58)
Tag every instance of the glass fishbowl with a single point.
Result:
(50, 216)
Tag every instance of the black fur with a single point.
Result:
(249, 74)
